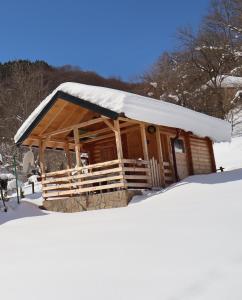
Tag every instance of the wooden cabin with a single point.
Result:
(129, 142)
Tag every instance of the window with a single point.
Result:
(179, 146)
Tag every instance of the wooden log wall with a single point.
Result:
(201, 156)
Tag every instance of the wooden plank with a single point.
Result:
(84, 190)
(151, 173)
(74, 177)
(109, 124)
(77, 147)
(134, 169)
(108, 136)
(77, 126)
(93, 166)
(52, 119)
(137, 177)
(81, 183)
(95, 132)
(101, 137)
(144, 142)
(135, 161)
(199, 144)
(138, 184)
(118, 139)
(41, 157)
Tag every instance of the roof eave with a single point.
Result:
(75, 100)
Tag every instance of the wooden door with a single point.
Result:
(181, 158)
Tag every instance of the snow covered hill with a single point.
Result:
(183, 243)
(229, 155)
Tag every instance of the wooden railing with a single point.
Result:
(96, 178)
(136, 173)
(168, 173)
(160, 176)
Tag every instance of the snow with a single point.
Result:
(139, 108)
(229, 155)
(182, 243)
(226, 81)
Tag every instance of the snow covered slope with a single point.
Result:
(139, 108)
(229, 155)
(184, 243)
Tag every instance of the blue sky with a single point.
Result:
(114, 38)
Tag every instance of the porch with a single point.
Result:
(130, 159)
(103, 177)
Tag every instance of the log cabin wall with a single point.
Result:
(101, 151)
(134, 145)
(201, 156)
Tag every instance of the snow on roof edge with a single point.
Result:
(139, 108)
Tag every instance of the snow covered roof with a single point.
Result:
(226, 81)
(138, 108)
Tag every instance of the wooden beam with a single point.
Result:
(109, 135)
(144, 142)
(91, 133)
(160, 156)
(109, 124)
(75, 126)
(52, 119)
(118, 139)
(77, 147)
(131, 120)
(145, 150)
(41, 157)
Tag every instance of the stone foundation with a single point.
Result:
(91, 202)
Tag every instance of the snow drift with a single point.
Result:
(184, 243)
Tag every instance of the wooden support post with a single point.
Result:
(160, 156)
(77, 147)
(41, 157)
(119, 149)
(211, 153)
(144, 142)
(109, 124)
(118, 139)
(189, 154)
(171, 158)
(145, 150)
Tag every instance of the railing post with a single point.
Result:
(77, 147)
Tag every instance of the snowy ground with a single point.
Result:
(229, 155)
(182, 243)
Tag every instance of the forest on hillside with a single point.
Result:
(191, 76)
